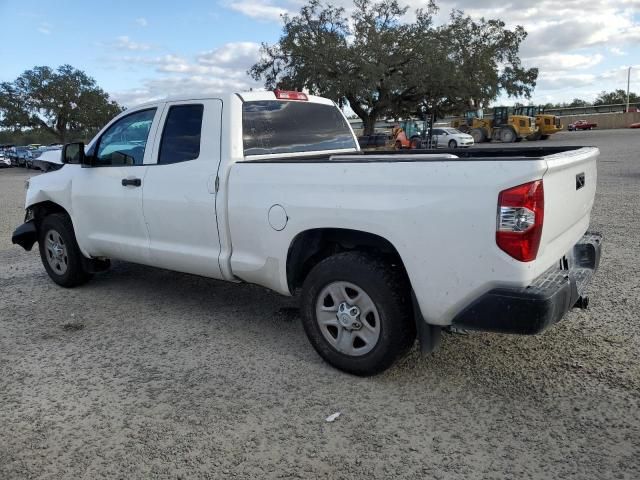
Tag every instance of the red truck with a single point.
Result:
(582, 125)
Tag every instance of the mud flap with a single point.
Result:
(25, 235)
(428, 335)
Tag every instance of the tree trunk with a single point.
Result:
(369, 124)
(368, 117)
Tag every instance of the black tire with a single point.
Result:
(544, 137)
(398, 145)
(452, 144)
(389, 290)
(508, 135)
(478, 135)
(74, 273)
(534, 136)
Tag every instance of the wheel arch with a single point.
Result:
(41, 209)
(309, 247)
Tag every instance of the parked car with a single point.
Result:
(20, 155)
(451, 138)
(581, 125)
(4, 161)
(635, 125)
(273, 190)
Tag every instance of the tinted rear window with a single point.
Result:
(181, 135)
(273, 126)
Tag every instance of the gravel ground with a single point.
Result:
(147, 373)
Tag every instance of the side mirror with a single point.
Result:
(74, 153)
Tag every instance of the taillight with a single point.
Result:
(290, 95)
(520, 218)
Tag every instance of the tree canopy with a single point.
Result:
(56, 101)
(382, 64)
(617, 96)
(604, 98)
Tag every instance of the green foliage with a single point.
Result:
(617, 96)
(58, 102)
(383, 65)
(604, 98)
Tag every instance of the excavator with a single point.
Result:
(546, 124)
(503, 126)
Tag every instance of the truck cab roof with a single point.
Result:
(250, 96)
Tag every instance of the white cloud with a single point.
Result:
(211, 72)
(125, 43)
(558, 62)
(234, 54)
(617, 51)
(260, 10)
(45, 28)
(142, 21)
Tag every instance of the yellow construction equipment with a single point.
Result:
(546, 124)
(503, 126)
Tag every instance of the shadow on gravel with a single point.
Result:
(73, 327)
(519, 367)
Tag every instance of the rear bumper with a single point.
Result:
(532, 309)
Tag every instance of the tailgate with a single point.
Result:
(569, 191)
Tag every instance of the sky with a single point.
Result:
(138, 50)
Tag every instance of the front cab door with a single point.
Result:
(107, 195)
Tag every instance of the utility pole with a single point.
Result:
(628, 82)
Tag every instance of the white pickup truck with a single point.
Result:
(270, 188)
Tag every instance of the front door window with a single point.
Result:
(124, 142)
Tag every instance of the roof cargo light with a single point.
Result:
(290, 95)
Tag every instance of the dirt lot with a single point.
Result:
(147, 373)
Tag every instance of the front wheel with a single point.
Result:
(453, 144)
(60, 253)
(357, 313)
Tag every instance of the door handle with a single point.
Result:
(134, 182)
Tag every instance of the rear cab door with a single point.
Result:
(179, 192)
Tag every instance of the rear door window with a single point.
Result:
(181, 134)
(274, 126)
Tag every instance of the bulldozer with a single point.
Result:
(503, 126)
(546, 124)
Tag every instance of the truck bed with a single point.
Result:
(469, 154)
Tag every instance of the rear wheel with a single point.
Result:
(357, 313)
(398, 145)
(60, 253)
(507, 135)
(544, 137)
